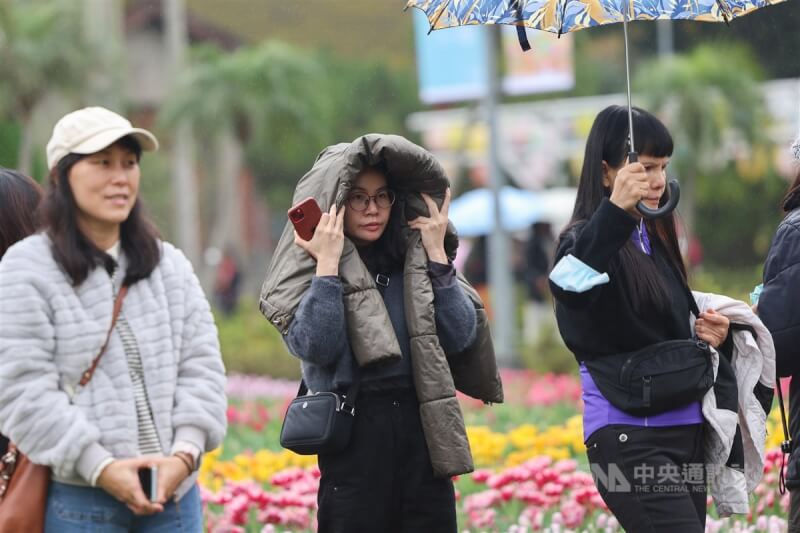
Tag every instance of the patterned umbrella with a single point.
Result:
(562, 16)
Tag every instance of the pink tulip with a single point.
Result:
(481, 476)
(573, 514)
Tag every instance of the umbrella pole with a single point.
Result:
(632, 156)
(673, 188)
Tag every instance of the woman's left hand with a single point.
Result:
(712, 327)
(171, 473)
(433, 228)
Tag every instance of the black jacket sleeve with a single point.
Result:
(779, 303)
(597, 243)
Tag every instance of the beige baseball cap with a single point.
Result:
(91, 129)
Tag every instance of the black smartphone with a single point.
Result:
(148, 478)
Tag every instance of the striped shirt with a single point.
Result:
(148, 437)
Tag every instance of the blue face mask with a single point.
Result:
(756, 293)
(573, 275)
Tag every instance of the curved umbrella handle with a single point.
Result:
(673, 196)
(672, 202)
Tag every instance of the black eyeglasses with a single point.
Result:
(359, 201)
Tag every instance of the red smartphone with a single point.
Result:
(305, 217)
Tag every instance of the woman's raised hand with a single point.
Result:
(433, 228)
(712, 327)
(327, 243)
(630, 185)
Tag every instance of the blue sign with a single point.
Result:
(451, 64)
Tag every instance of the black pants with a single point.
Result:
(794, 511)
(384, 481)
(652, 479)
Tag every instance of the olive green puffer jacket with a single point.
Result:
(411, 170)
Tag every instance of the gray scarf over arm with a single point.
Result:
(411, 170)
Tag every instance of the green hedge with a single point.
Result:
(251, 345)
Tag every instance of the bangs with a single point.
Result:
(651, 136)
(130, 143)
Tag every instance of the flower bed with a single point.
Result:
(530, 477)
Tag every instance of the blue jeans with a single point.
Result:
(73, 509)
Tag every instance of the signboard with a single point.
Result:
(452, 63)
(546, 67)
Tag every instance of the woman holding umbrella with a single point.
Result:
(620, 286)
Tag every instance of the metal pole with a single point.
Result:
(103, 28)
(628, 81)
(499, 263)
(185, 190)
(664, 34)
(798, 114)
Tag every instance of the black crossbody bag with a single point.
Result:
(319, 423)
(657, 378)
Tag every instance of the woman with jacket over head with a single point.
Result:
(156, 396)
(384, 305)
(19, 200)
(779, 309)
(627, 290)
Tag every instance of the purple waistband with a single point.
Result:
(598, 412)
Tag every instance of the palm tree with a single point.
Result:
(713, 103)
(40, 52)
(265, 96)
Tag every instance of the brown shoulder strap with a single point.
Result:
(87, 376)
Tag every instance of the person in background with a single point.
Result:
(19, 200)
(778, 306)
(539, 251)
(227, 282)
(156, 396)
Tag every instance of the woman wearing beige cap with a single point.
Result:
(109, 358)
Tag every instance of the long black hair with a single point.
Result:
(73, 251)
(19, 200)
(792, 199)
(608, 141)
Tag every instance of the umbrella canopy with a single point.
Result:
(562, 16)
(472, 213)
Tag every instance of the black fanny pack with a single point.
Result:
(660, 377)
(655, 379)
